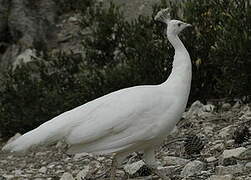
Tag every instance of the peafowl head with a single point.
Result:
(174, 27)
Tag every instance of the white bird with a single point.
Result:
(131, 119)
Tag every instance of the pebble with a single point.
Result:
(211, 159)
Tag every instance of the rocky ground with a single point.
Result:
(210, 142)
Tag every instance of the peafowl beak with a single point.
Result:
(188, 25)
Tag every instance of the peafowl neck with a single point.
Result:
(181, 56)
(181, 75)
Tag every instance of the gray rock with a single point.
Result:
(226, 106)
(192, 168)
(227, 156)
(194, 110)
(230, 142)
(211, 159)
(246, 113)
(80, 155)
(73, 19)
(171, 160)
(248, 165)
(167, 169)
(42, 170)
(233, 152)
(25, 57)
(18, 172)
(67, 176)
(208, 129)
(246, 154)
(236, 106)
(226, 132)
(134, 167)
(83, 173)
(8, 176)
(218, 147)
(224, 170)
(208, 108)
(221, 177)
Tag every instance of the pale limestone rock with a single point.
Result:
(27, 56)
(236, 106)
(218, 147)
(233, 152)
(194, 110)
(211, 159)
(171, 160)
(226, 132)
(223, 170)
(208, 108)
(167, 169)
(248, 165)
(83, 173)
(226, 106)
(221, 177)
(80, 155)
(42, 170)
(134, 167)
(67, 176)
(192, 168)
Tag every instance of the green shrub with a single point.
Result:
(65, 6)
(221, 42)
(35, 92)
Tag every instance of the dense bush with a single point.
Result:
(35, 92)
(65, 6)
(221, 44)
(120, 54)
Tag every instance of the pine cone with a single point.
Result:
(241, 135)
(193, 145)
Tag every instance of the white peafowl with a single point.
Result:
(131, 119)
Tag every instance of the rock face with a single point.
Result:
(132, 9)
(25, 24)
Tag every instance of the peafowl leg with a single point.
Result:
(113, 168)
(149, 158)
(116, 162)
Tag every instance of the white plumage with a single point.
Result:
(131, 119)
